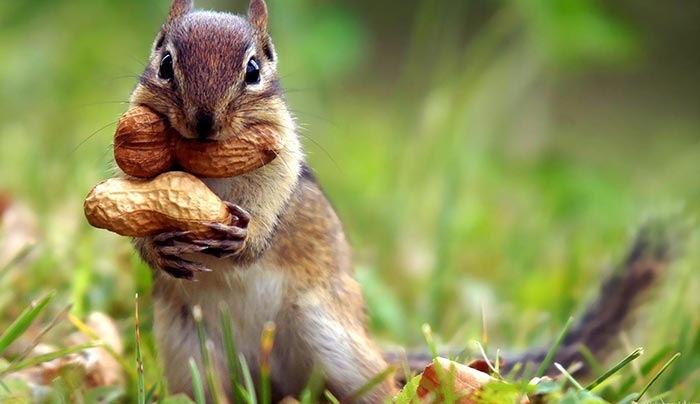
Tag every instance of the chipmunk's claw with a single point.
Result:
(170, 246)
(240, 216)
(228, 241)
(182, 269)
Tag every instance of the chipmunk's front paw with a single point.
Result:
(228, 240)
(169, 248)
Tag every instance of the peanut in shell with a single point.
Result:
(173, 201)
(237, 155)
(145, 145)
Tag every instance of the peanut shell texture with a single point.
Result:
(145, 145)
(173, 201)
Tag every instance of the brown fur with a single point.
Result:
(294, 267)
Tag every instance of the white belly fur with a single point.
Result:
(253, 296)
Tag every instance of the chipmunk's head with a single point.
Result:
(213, 74)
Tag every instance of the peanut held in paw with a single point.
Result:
(173, 201)
(145, 145)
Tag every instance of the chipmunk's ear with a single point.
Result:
(257, 14)
(178, 9)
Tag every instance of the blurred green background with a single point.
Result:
(481, 153)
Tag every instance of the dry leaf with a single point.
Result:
(95, 366)
(101, 367)
(18, 231)
(467, 381)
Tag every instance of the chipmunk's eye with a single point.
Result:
(252, 72)
(165, 71)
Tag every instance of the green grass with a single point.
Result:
(499, 173)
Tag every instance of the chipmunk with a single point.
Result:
(286, 258)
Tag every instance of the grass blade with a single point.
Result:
(23, 253)
(494, 367)
(557, 343)
(645, 369)
(568, 376)
(35, 341)
(197, 387)
(248, 380)
(140, 382)
(266, 343)
(205, 348)
(24, 320)
(151, 393)
(446, 380)
(591, 360)
(330, 397)
(372, 383)
(657, 375)
(314, 388)
(232, 357)
(624, 362)
(33, 361)
(409, 392)
(484, 329)
(429, 340)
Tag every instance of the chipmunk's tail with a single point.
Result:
(598, 328)
(650, 253)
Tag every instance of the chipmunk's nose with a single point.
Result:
(204, 125)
